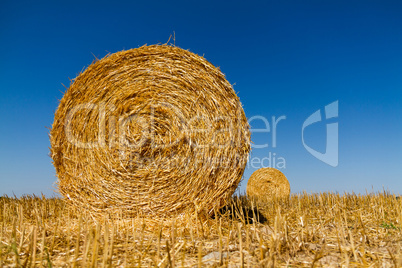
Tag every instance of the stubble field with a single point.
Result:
(306, 230)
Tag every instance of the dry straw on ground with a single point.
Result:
(267, 184)
(306, 230)
(154, 130)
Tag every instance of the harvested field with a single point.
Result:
(307, 230)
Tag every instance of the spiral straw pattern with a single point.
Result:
(153, 130)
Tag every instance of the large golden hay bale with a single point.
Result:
(267, 184)
(152, 130)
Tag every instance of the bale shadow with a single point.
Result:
(240, 208)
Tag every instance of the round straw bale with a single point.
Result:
(267, 184)
(152, 130)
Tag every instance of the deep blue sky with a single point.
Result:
(286, 58)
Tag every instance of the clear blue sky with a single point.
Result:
(286, 58)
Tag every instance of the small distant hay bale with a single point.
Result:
(154, 130)
(267, 184)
